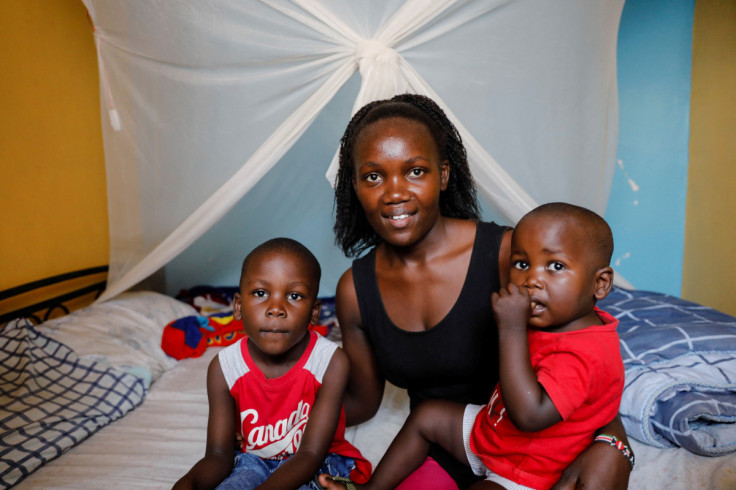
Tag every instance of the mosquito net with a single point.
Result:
(201, 98)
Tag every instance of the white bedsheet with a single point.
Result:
(151, 447)
(159, 441)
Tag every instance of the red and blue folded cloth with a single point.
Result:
(191, 335)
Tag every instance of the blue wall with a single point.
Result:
(646, 209)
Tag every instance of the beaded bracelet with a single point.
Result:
(613, 441)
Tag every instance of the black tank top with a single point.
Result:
(457, 359)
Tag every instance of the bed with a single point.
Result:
(678, 404)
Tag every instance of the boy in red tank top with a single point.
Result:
(280, 387)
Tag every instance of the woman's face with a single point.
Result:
(398, 178)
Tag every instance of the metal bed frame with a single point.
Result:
(35, 311)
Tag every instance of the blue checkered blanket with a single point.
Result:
(50, 400)
(680, 361)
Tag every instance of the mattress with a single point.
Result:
(158, 441)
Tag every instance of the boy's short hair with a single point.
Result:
(597, 230)
(290, 246)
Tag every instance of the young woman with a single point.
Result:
(416, 309)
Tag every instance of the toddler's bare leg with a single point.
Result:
(434, 421)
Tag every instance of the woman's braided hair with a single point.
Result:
(353, 233)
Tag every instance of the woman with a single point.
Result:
(416, 309)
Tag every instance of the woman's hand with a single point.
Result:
(599, 466)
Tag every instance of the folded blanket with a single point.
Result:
(680, 361)
(50, 400)
(190, 336)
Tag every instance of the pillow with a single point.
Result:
(50, 400)
(124, 332)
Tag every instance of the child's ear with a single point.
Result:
(603, 282)
(316, 309)
(237, 307)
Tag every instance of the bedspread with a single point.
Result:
(680, 361)
(50, 400)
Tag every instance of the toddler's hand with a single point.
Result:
(511, 307)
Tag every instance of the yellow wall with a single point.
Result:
(709, 266)
(53, 204)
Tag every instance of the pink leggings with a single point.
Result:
(429, 476)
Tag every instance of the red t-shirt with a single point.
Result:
(274, 412)
(583, 375)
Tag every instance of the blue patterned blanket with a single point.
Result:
(50, 400)
(680, 361)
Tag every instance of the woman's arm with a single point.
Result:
(217, 462)
(319, 431)
(600, 465)
(365, 384)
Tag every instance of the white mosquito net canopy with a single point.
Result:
(202, 98)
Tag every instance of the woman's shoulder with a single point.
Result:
(461, 223)
(493, 228)
(491, 247)
(345, 283)
(468, 233)
(471, 224)
(461, 231)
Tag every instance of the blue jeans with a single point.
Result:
(250, 471)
